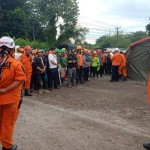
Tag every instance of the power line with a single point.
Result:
(97, 21)
(95, 24)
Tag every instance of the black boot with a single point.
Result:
(124, 79)
(147, 146)
(27, 93)
(120, 76)
(14, 147)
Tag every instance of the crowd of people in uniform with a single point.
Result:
(50, 69)
(47, 70)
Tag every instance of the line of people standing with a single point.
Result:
(48, 70)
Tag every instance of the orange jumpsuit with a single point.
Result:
(123, 67)
(11, 71)
(80, 60)
(27, 64)
(116, 59)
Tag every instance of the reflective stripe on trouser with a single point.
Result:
(8, 117)
(123, 71)
(28, 80)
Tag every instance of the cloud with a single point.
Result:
(104, 15)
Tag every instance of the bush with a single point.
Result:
(33, 44)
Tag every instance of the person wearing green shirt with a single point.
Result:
(95, 64)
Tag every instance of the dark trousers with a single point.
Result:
(101, 71)
(41, 80)
(115, 73)
(48, 77)
(94, 69)
(91, 71)
(109, 68)
(71, 76)
(53, 78)
(80, 74)
(33, 83)
(86, 73)
(104, 68)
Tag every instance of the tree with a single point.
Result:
(72, 32)
(52, 11)
(135, 36)
(13, 20)
(148, 28)
(110, 41)
(10, 5)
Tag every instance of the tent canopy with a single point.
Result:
(138, 60)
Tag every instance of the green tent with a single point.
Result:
(138, 60)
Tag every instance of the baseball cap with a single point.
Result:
(7, 41)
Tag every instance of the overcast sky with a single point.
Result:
(102, 16)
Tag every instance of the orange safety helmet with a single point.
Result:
(27, 48)
(35, 51)
(86, 50)
(21, 49)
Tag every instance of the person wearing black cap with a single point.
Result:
(71, 67)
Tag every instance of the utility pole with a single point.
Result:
(109, 33)
(117, 30)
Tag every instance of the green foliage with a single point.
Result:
(33, 44)
(39, 20)
(50, 13)
(123, 40)
(135, 36)
(72, 32)
(148, 28)
(10, 5)
(14, 21)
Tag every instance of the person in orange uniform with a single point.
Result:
(104, 55)
(123, 67)
(12, 77)
(26, 61)
(116, 62)
(80, 67)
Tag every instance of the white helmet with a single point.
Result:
(7, 41)
(117, 49)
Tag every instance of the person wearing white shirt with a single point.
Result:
(17, 52)
(53, 70)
